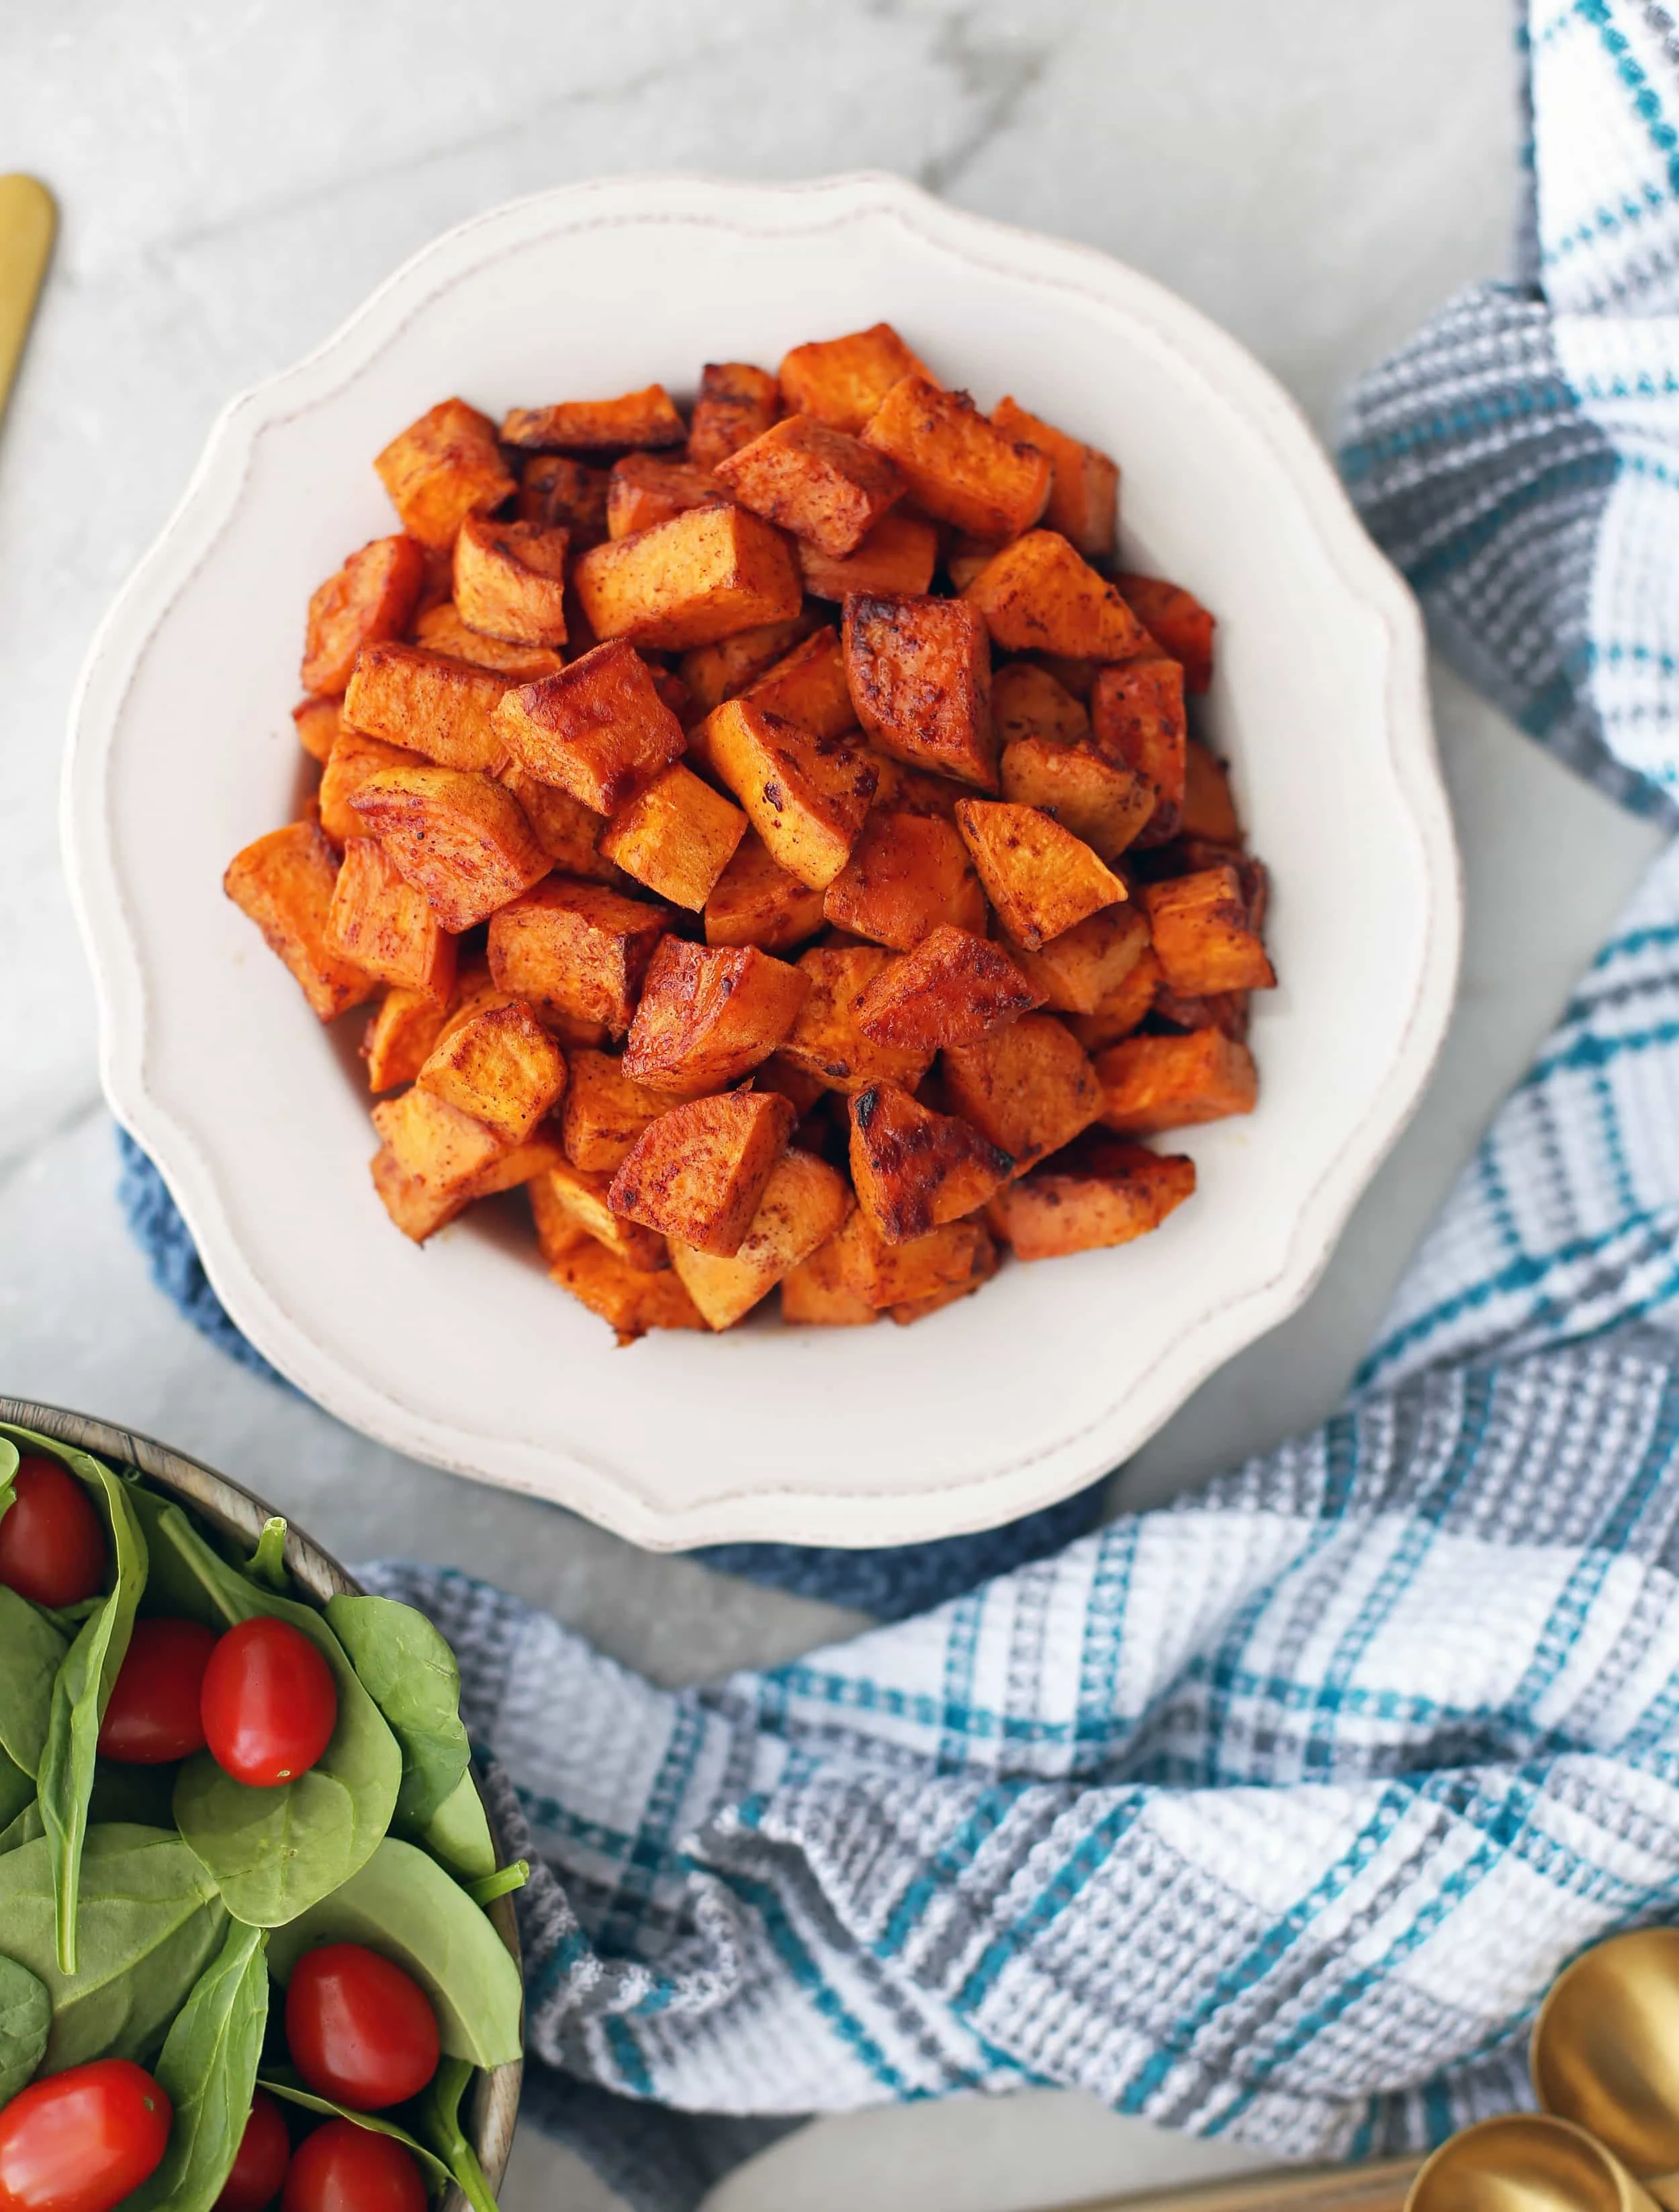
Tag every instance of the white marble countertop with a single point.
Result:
(234, 178)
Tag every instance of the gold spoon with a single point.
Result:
(1526, 2162)
(28, 222)
(1605, 2052)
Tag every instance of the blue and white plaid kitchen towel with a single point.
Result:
(1273, 1813)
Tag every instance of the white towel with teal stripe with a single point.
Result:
(1275, 1812)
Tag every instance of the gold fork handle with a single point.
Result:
(27, 221)
(1379, 2186)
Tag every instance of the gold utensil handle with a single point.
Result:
(1379, 2186)
(28, 222)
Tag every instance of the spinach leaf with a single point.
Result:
(82, 1685)
(267, 1564)
(501, 1884)
(31, 1653)
(273, 1853)
(208, 2071)
(26, 2013)
(17, 1789)
(440, 2121)
(24, 1829)
(151, 1922)
(282, 2082)
(403, 1904)
(172, 1588)
(458, 1834)
(9, 1456)
(411, 1675)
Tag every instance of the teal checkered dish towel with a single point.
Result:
(1275, 1812)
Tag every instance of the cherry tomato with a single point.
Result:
(260, 2162)
(269, 1702)
(360, 2031)
(79, 2140)
(344, 2168)
(51, 1539)
(153, 1715)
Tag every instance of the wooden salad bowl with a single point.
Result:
(494, 2105)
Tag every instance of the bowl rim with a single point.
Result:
(844, 1514)
(238, 1512)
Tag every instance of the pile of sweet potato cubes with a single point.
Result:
(774, 840)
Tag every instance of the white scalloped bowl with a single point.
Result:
(463, 1353)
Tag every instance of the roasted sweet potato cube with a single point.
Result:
(965, 556)
(1098, 1192)
(284, 882)
(822, 484)
(1122, 1009)
(400, 1032)
(895, 560)
(676, 835)
(1202, 938)
(1178, 622)
(957, 465)
(318, 722)
(509, 580)
(370, 597)
(475, 990)
(418, 1208)
(954, 987)
(806, 797)
(575, 948)
(906, 874)
(912, 791)
(1080, 970)
(802, 1090)
(1229, 1010)
(1040, 595)
(597, 729)
(815, 1292)
(1027, 702)
(647, 418)
(1155, 1083)
(1078, 677)
(604, 1112)
(502, 1068)
(825, 1041)
(954, 1259)
(630, 1300)
(808, 686)
(564, 1198)
(567, 831)
(1083, 491)
(756, 901)
(1030, 1087)
(804, 1203)
(381, 924)
(737, 403)
(708, 1014)
(352, 760)
(842, 380)
(716, 672)
(914, 1169)
(429, 1138)
(429, 704)
(1137, 719)
(1209, 811)
(439, 629)
(1041, 878)
(460, 839)
(699, 1172)
(981, 1266)
(919, 676)
(701, 577)
(564, 494)
(442, 468)
(1106, 806)
(648, 488)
